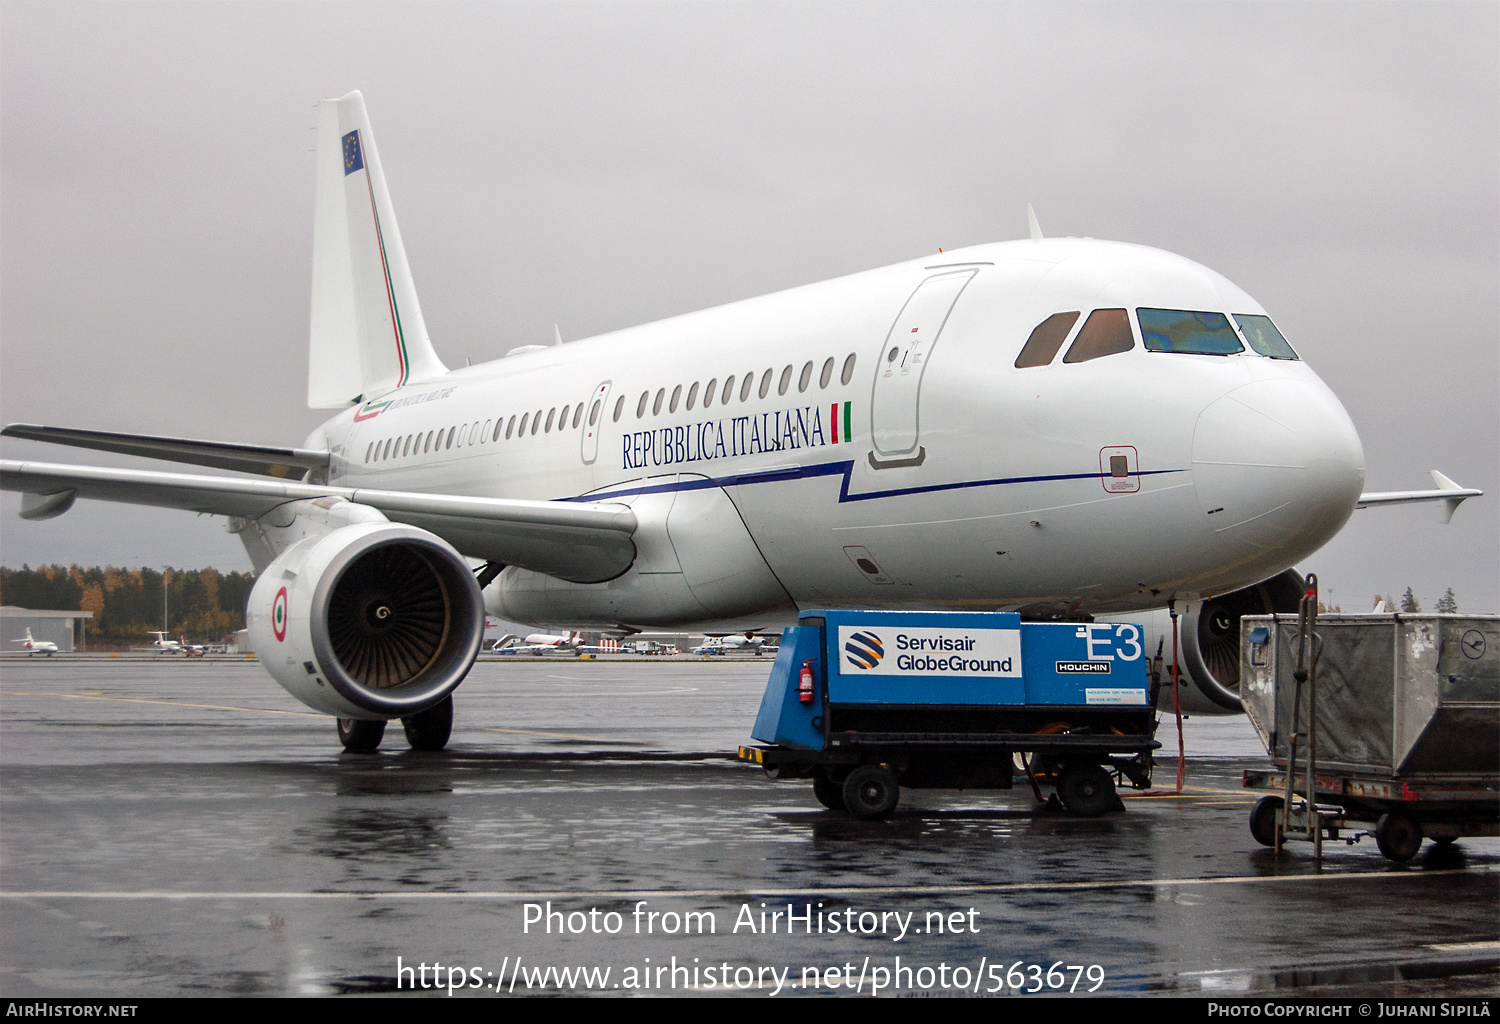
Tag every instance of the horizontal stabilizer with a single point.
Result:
(582, 542)
(288, 463)
(1448, 492)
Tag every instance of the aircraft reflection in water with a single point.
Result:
(1064, 427)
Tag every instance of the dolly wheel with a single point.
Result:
(1087, 790)
(1263, 824)
(829, 793)
(360, 736)
(1398, 836)
(871, 792)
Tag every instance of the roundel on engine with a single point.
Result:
(278, 615)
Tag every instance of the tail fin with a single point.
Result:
(367, 332)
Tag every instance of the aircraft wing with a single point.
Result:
(1448, 492)
(579, 541)
(288, 463)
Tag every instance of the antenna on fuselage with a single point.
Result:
(1036, 229)
(557, 333)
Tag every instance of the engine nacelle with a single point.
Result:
(1208, 642)
(372, 621)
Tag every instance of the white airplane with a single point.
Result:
(540, 643)
(734, 643)
(161, 645)
(1063, 427)
(46, 647)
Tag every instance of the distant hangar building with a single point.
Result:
(59, 627)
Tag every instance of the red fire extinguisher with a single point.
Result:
(805, 683)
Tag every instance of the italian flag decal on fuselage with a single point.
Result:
(841, 433)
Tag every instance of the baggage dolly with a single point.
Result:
(862, 703)
(1390, 723)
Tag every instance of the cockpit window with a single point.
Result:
(1178, 330)
(1263, 336)
(1044, 342)
(1104, 333)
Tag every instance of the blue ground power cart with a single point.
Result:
(865, 702)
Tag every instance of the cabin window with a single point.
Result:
(406, 448)
(427, 445)
(1263, 336)
(728, 390)
(578, 414)
(640, 407)
(708, 391)
(747, 385)
(1045, 340)
(562, 418)
(1180, 330)
(661, 394)
(1104, 333)
(765, 382)
(676, 397)
(524, 418)
(806, 378)
(463, 433)
(619, 408)
(785, 381)
(692, 396)
(498, 424)
(827, 374)
(386, 452)
(510, 425)
(369, 450)
(848, 374)
(552, 412)
(536, 422)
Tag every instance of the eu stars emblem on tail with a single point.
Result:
(354, 159)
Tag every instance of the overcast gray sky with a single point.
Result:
(604, 165)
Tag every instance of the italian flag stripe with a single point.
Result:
(834, 420)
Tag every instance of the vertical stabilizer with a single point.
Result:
(367, 332)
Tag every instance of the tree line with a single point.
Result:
(127, 603)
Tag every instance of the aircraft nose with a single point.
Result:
(1278, 467)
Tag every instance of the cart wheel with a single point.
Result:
(871, 792)
(1398, 836)
(829, 793)
(1263, 824)
(1086, 789)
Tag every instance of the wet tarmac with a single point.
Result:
(187, 828)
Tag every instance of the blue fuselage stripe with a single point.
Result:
(844, 469)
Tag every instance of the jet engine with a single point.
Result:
(1208, 642)
(371, 621)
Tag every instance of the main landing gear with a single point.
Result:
(426, 730)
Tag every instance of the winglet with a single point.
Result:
(1036, 229)
(1448, 492)
(1450, 505)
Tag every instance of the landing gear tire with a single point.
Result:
(430, 729)
(1263, 825)
(871, 792)
(829, 793)
(1398, 836)
(1087, 790)
(359, 736)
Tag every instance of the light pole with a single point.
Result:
(164, 626)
